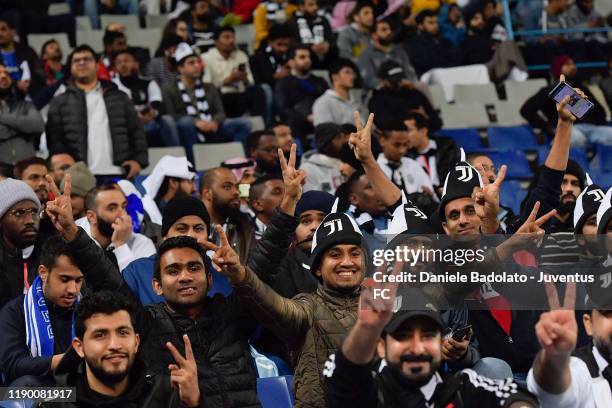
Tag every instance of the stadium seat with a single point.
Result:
(146, 37)
(604, 155)
(512, 137)
(156, 153)
(542, 151)
(57, 9)
(437, 97)
(130, 21)
(599, 96)
(464, 115)
(36, 41)
(483, 93)
(83, 23)
(580, 156)
(603, 179)
(512, 195)
(211, 155)
(245, 34)
(519, 92)
(322, 73)
(518, 166)
(257, 123)
(508, 113)
(469, 139)
(91, 37)
(156, 20)
(275, 392)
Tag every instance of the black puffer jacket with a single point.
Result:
(218, 336)
(67, 125)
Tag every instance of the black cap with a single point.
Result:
(459, 183)
(574, 169)
(181, 207)
(391, 71)
(412, 302)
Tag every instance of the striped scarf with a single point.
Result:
(201, 109)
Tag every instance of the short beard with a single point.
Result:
(604, 347)
(417, 381)
(225, 210)
(384, 41)
(566, 208)
(105, 228)
(109, 378)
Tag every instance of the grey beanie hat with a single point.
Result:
(13, 191)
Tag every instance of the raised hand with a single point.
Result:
(486, 199)
(557, 330)
(564, 114)
(184, 374)
(225, 258)
(60, 209)
(293, 180)
(122, 230)
(531, 231)
(361, 141)
(377, 300)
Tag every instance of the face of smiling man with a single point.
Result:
(341, 267)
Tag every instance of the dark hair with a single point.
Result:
(358, 7)
(392, 124)
(293, 50)
(178, 242)
(352, 180)
(169, 36)
(252, 140)
(21, 165)
(424, 14)
(222, 29)
(126, 51)
(209, 176)
(340, 63)
(6, 169)
(8, 22)
(45, 44)
(104, 302)
(420, 120)
(111, 36)
(79, 49)
(257, 187)
(279, 31)
(53, 248)
(381, 21)
(92, 195)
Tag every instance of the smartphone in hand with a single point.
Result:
(577, 105)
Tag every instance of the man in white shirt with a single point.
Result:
(406, 173)
(227, 68)
(108, 223)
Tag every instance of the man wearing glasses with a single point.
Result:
(19, 238)
(96, 123)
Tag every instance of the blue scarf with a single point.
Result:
(39, 332)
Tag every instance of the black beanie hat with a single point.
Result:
(459, 183)
(574, 169)
(180, 207)
(587, 204)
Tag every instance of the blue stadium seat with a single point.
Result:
(467, 138)
(518, 166)
(604, 155)
(512, 195)
(276, 392)
(603, 179)
(579, 155)
(512, 137)
(542, 151)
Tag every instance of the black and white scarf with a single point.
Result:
(308, 35)
(201, 109)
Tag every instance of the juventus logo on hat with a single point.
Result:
(466, 173)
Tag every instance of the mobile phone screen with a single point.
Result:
(577, 105)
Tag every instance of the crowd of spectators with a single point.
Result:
(178, 287)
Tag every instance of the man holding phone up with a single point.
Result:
(227, 68)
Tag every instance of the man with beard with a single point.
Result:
(202, 26)
(310, 26)
(58, 164)
(408, 339)
(20, 121)
(380, 50)
(262, 147)
(107, 342)
(295, 94)
(110, 226)
(353, 39)
(37, 327)
(32, 171)
(540, 113)
(21, 240)
(219, 193)
(171, 177)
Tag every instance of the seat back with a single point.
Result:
(464, 115)
(211, 155)
(508, 113)
(468, 138)
(468, 93)
(519, 92)
(130, 21)
(516, 162)
(512, 137)
(276, 392)
(156, 153)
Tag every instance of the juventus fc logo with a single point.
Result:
(597, 194)
(417, 213)
(466, 173)
(334, 225)
(606, 280)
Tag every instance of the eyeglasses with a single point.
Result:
(22, 212)
(83, 60)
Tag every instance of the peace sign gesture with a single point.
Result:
(557, 330)
(293, 180)
(361, 141)
(486, 198)
(60, 209)
(225, 258)
(184, 374)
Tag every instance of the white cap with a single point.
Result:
(183, 50)
(168, 166)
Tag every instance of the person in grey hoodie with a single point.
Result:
(323, 165)
(353, 39)
(20, 122)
